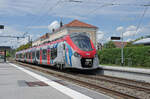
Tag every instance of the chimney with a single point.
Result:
(53, 30)
(47, 35)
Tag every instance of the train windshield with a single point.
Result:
(82, 42)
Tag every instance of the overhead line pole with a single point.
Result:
(122, 47)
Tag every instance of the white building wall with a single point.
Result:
(90, 31)
(58, 34)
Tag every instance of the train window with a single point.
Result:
(82, 42)
(20, 55)
(48, 52)
(29, 55)
(64, 46)
(33, 55)
(37, 54)
(26, 55)
(53, 53)
(44, 52)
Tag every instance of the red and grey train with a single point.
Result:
(74, 50)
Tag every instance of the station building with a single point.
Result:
(72, 27)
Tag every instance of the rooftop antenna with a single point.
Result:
(61, 23)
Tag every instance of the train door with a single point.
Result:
(44, 55)
(61, 53)
(48, 55)
(64, 53)
(31, 56)
(40, 55)
(37, 56)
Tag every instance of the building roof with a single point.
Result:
(74, 23)
(45, 36)
(119, 44)
(143, 41)
(77, 23)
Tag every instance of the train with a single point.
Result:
(75, 50)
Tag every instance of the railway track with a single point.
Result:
(104, 84)
(141, 86)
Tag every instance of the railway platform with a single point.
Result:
(127, 72)
(17, 82)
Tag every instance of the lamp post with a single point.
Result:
(122, 46)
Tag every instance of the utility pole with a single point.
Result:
(2, 27)
(122, 47)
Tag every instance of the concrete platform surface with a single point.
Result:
(127, 69)
(20, 83)
(139, 74)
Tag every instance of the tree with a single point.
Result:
(109, 44)
(22, 47)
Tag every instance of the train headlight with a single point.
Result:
(76, 54)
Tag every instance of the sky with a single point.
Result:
(37, 17)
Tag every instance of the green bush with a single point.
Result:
(133, 56)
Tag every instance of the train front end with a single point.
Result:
(83, 53)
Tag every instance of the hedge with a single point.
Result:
(133, 56)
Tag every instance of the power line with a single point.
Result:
(142, 16)
(49, 9)
(33, 19)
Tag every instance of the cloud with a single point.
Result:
(108, 39)
(131, 28)
(10, 31)
(54, 25)
(71, 9)
(128, 40)
(38, 27)
(119, 29)
(129, 33)
(100, 35)
(14, 42)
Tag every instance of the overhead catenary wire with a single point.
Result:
(24, 34)
(112, 4)
(34, 19)
(142, 16)
(40, 19)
